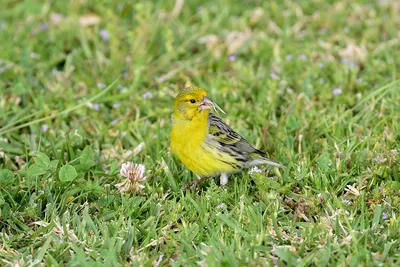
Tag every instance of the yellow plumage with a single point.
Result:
(204, 143)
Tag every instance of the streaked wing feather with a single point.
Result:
(222, 133)
(223, 138)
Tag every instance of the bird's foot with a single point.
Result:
(223, 180)
(194, 183)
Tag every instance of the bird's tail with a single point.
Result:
(261, 159)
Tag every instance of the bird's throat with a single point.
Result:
(190, 132)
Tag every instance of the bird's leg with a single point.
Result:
(223, 180)
(195, 182)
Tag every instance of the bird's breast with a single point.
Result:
(188, 135)
(187, 138)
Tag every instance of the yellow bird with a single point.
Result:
(205, 143)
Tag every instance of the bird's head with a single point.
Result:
(191, 102)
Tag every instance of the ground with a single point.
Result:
(87, 86)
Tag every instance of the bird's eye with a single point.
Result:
(192, 101)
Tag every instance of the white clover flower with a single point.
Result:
(302, 57)
(337, 91)
(274, 76)
(346, 201)
(114, 122)
(104, 35)
(148, 95)
(44, 128)
(232, 58)
(255, 169)
(134, 174)
(96, 106)
(221, 206)
(101, 85)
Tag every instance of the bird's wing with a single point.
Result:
(221, 131)
(221, 134)
(222, 137)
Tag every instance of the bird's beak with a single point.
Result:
(206, 103)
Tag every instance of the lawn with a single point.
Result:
(87, 86)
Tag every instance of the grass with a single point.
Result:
(315, 84)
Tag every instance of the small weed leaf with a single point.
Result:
(377, 216)
(293, 123)
(67, 173)
(6, 177)
(324, 162)
(35, 170)
(87, 158)
(42, 160)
